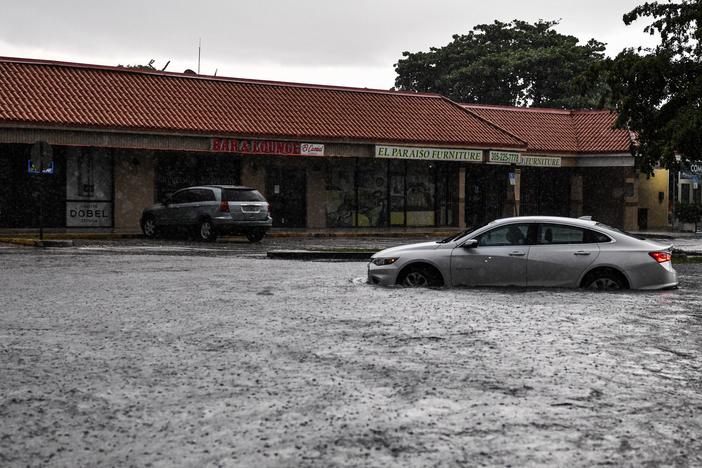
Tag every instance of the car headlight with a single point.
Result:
(384, 261)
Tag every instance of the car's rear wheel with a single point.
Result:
(206, 231)
(255, 235)
(149, 227)
(605, 281)
(420, 277)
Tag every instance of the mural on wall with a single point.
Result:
(372, 194)
(88, 187)
(340, 197)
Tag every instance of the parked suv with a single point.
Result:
(210, 210)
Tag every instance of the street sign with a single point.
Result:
(34, 168)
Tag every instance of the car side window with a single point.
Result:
(184, 196)
(560, 234)
(594, 237)
(203, 195)
(513, 234)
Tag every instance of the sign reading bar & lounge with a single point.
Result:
(284, 148)
(435, 154)
(504, 157)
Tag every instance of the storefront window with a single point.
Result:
(397, 192)
(175, 171)
(420, 193)
(88, 187)
(341, 193)
(685, 193)
(372, 193)
(486, 192)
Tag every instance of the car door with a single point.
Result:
(498, 259)
(176, 202)
(560, 255)
(203, 203)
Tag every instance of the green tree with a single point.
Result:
(658, 92)
(515, 63)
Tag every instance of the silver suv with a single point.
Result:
(210, 210)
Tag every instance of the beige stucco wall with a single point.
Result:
(576, 195)
(134, 178)
(649, 189)
(316, 198)
(253, 174)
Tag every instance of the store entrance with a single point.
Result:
(286, 191)
(485, 193)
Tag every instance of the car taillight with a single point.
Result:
(661, 257)
(224, 206)
(270, 211)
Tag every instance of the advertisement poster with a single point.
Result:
(88, 188)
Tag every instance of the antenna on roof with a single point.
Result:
(199, 46)
(166, 66)
(216, 71)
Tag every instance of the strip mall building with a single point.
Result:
(325, 157)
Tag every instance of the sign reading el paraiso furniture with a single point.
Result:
(283, 148)
(434, 154)
(506, 157)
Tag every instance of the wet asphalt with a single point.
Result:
(141, 354)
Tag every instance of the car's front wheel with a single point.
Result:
(206, 231)
(255, 235)
(149, 227)
(420, 277)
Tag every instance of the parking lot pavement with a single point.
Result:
(167, 360)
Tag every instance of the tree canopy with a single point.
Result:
(515, 63)
(658, 92)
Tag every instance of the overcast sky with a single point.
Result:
(340, 42)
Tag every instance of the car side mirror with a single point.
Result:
(470, 244)
(167, 199)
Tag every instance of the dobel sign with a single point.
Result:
(88, 214)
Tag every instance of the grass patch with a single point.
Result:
(687, 259)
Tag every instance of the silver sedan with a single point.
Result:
(540, 251)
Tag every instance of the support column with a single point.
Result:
(253, 174)
(316, 196)
(462, 197)
(517, 191)
(135, 187)
(576, 195)
(631, 201)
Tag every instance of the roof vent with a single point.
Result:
(189, 72)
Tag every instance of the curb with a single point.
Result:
(37, 242)
(319, 255)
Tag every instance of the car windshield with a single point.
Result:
(236, 195)
(620, 231)
(461, 234)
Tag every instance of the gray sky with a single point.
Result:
(341, 42)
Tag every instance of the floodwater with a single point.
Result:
(118, 359)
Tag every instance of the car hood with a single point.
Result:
(407, 248)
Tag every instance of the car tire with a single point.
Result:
(206, 231)
(420, 277)
(255, 235)
(149, 227)
(604, 281)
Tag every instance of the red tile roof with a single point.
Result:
(59, 94)
(559, 131)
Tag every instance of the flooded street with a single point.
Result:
(163, 360)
